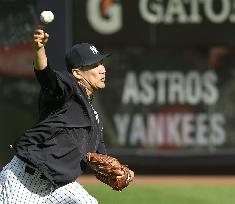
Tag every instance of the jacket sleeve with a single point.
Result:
(49, 82)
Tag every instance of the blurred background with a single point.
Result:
(168, 107)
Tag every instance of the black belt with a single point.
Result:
(30, 168)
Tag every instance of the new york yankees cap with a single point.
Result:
(82, 55)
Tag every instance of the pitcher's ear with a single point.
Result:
(76, 73)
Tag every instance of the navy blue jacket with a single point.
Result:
(67, 129)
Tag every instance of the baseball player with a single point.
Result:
(50, 156)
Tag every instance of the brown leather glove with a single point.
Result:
(109, 170)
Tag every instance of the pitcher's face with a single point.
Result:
(92, 77)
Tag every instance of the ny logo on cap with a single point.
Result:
(93, 49)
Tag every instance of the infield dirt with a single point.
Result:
(171, 180)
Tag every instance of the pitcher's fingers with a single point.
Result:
(39, 31)
(46, 35)
(38, 40)
(36, 36)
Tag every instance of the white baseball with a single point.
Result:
(46, 17)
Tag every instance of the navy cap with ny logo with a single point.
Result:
(82, 55)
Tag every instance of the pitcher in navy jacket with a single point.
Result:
(50, 156)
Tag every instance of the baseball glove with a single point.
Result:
(109, 170)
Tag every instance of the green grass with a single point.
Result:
(173, 194)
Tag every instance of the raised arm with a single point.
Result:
(44, 74)
(40, 38)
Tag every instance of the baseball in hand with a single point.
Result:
(46, 17)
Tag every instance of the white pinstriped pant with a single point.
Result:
(20, 187)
